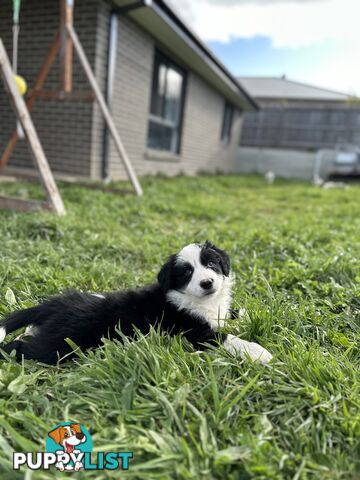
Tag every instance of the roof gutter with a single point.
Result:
(196, 44)
(129, 7)
(163, 12)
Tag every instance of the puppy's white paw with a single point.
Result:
(257, 353)
(2, 334)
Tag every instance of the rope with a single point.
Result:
(16, 11)
(16, 29)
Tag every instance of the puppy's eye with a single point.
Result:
(66, 434)
(188, 272)
(211, 265)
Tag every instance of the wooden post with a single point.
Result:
(66, 47)
(39, 83)
(105, 111)
(32, 138)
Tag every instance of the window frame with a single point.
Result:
(162, 59)
(227, 124)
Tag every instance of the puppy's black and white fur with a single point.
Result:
(192, 297)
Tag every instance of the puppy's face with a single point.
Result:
(197, 270)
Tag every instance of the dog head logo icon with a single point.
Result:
(69, 441)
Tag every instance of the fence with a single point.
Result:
(301, 128)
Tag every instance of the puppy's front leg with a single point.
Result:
(235, 345)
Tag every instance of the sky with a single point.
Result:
(312, 41)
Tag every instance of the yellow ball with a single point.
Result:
(21, 84)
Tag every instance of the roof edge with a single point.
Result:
(296, 82)
(206, 50)
(162, 9)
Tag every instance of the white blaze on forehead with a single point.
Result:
(190, 254)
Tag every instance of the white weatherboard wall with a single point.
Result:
(284, 163)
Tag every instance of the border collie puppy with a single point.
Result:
(192, 297)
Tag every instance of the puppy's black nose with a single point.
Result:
(80, 436)
(207, 284)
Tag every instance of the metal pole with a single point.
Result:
(112, 50)
(16, 30)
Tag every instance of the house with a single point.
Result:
(280, 91)
(177, 108)
(297, 115)
(295, 121)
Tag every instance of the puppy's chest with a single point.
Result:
(212, 314)
(211, 311)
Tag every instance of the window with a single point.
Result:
(227, 123)
(167, 101)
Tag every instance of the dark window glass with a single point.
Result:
(227, 123)
(167, 101)
(160, 136)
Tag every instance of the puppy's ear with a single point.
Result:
(76, 427)
(57, 435)
(223, 257)
(165, 273)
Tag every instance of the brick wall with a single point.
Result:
(64, 128)
(72, 133)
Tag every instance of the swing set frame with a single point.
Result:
(64, 43)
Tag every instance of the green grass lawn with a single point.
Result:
(295, 251)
